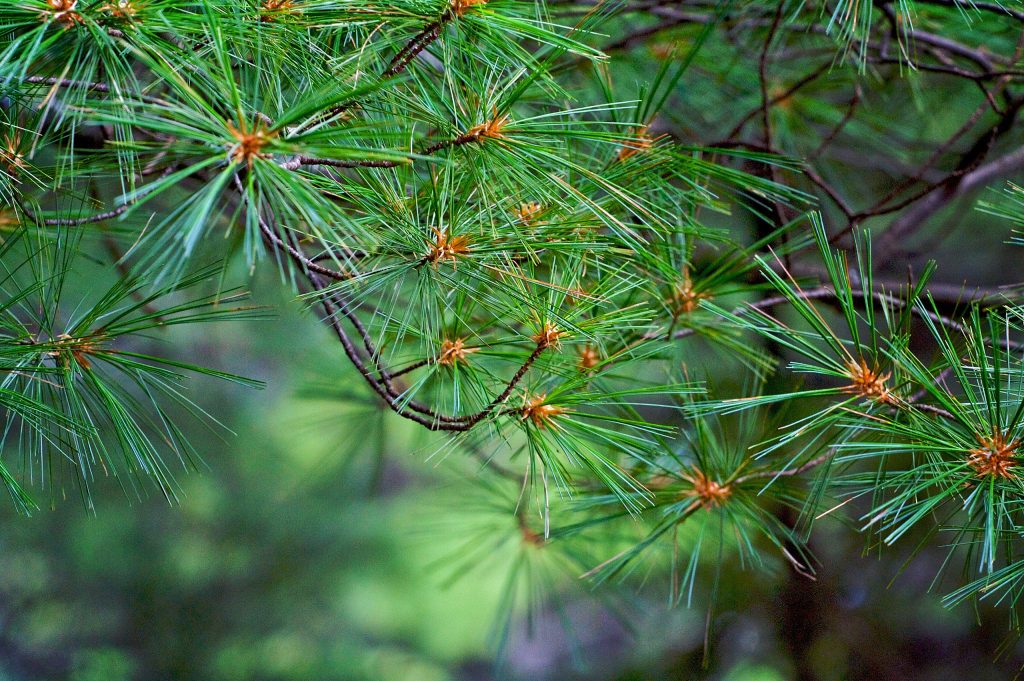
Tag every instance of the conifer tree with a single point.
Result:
(521, 245)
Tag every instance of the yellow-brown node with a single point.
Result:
(589, 358)
(526, 213)
(530, 536)
(995, 457)
(9, 221)
(585, 231)
(492, 129)
(777, 94)
(68, 349)
(446, 247)
(575, 296)
(663, 50)
(542, 415)
(867, 381)
(11, 158)
(273, 9)
(63, 11)
(249, 141)
(121, 9)
(705, 491)
(685, 298)
(459, 7)
(548, 337)
(453, 352)
(642, 142)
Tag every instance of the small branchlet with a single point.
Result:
(995, 457)
(541, 414)
(249, 141)
(492, 129)
(704, 491)
(454, 352)
(867, 381)
(446, 247)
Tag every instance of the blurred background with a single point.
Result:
(326, 539)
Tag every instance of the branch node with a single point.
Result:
(995, 457)
(548, 337)
(542, 415)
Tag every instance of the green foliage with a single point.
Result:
(78, 401)
(510, 252)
